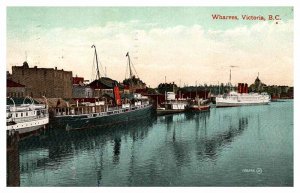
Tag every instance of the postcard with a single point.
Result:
(185, 96)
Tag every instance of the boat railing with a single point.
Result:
(84, 110)
(31, 118)
(81, 110)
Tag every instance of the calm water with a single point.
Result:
(243, 146)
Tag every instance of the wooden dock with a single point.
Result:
(12, 156)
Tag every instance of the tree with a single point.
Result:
(167, 87)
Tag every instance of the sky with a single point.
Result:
(183, 44)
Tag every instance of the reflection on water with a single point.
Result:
(191, 149)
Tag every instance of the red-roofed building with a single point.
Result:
(15, 89)
(78, 80)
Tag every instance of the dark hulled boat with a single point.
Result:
(100, 113)
(108, 117)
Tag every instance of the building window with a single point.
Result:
(26, 114)
(16, 114)
(21, 114)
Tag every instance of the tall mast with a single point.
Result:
(165, 88)
(230, 79)
(98, 72)
(196, 89)
(130, 70)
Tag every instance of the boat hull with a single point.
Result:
(29, 126)
(160, 112)
(232, 104)
(85, 121)
(200, 108)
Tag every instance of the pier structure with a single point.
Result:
(12, 156)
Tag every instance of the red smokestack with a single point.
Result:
(117, 95)
(239, 87)
(242, 87)
(246, 88)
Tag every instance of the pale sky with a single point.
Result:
(182, 43)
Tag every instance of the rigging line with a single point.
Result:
(134, 70)
(126, 69)
(101, 68)
(93, 74)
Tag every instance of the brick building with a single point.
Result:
(49, 82)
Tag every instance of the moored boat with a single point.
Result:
(172, 105)
(199, 105)
(26, 118)
(242, 97)
(98, 114)
(233, 99)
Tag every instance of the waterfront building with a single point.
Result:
(83, 91)
(49, 82)
(80, 90)
(104, 85)
(15, 89)
(134, 84)
(257, 86)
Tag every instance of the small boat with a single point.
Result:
(26, 118)
(199, 105)
(172, 105)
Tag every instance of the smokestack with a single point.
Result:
(242, 87)
(239, 88)
(246, 88)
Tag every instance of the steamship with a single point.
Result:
(89, 115)
(26, 118)
(242, 98)
(100, 113)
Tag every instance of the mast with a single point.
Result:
(130, 70)
(165, 88)
(196, 90)
(219, 87)
(230, 79)
(98, 72)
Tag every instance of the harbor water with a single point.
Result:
(240, 146)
